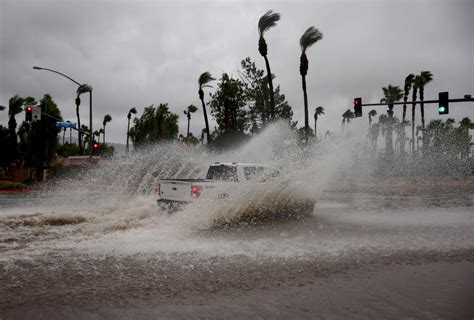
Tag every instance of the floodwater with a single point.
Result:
(94, 245)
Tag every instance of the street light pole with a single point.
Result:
(90, 105)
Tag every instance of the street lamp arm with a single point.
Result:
(62, 74)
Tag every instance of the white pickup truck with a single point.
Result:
(172, 193)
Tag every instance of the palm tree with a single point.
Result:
(107, 119)
(310, 37)
(268, 20)
(203, 81)
(2, 108)
(317, 112)
(391, 94)
(346, 117)
(425, 77)
(408, 84)
(97, 134)
(372, 113)
(82, 89)
(191, 109)
(129, 116)
(416, 84)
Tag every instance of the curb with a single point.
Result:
(14, 190)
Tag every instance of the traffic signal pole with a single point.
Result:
(416, 102)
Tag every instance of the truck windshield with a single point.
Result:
(226, 173)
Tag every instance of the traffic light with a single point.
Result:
(28, 113)
(95, 148)
(443, 107)
(358, 107)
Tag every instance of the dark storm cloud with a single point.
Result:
(142, 53)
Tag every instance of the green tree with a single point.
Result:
(191, 109)
(267, 21)
(229, 108)
(15, 106)
(107, 119)
(203, 81)
(129, 116)
(255, 86)
(228, 105)
(310, 37)
(156, 124)
(44, 134)
(317, 112)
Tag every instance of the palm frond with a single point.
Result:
(107, 118)
(133, 111)
(319, 110)
(310, 37)
(204, 79)
(83, 88)
(426, 77)
(192, 108)
(268, 20)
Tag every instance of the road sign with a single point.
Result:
(65, 124)
(36, 112)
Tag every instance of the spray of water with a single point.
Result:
(111, 208)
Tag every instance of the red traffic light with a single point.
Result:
(29, 108)
(95, 146)
(356, 101)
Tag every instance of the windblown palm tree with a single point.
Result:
(372, 113)
(425, 78)
(346, 118)
(107, 119)
(391, 94)
(408, 84)
(310, 37)
(416, 85)
(191, 109)
(203, 81)
(129, 116)
(82, 89)
(317, 112)
(268, 20)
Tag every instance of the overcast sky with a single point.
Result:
(138, 53)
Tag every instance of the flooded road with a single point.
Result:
(357, 255)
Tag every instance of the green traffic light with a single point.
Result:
(441, 109)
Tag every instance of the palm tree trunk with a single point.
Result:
(205, 120)
(103, 136)
(315, 126)
(128, 132)
(405, 98)
(189, 121)
(79, 133)
(270, 85)
(306, 120)
(413, 122)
